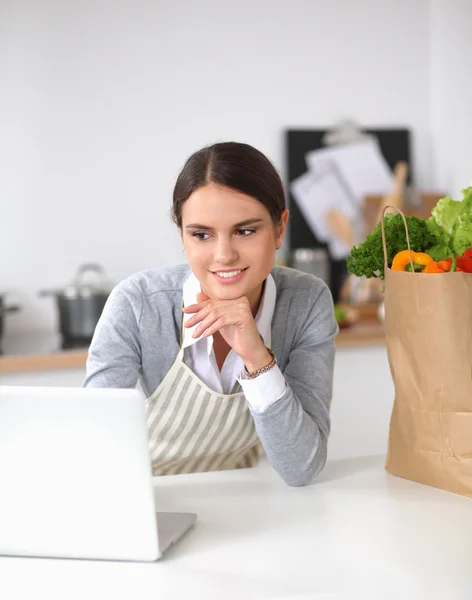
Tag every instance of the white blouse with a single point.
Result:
(199, 356)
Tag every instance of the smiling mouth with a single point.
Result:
(229, 274)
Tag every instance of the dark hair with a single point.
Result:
(234, 165)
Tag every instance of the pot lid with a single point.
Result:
(80, 287)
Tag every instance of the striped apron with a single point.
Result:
(192, 428)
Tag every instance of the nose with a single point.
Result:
(225, 252)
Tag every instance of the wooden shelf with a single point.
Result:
(364, 333)
(65, 359)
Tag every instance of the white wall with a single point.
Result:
(451, 93)
(102, 102)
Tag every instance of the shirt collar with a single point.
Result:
(263, 318)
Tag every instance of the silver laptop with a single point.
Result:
(75, 476)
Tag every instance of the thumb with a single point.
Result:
(201, 297)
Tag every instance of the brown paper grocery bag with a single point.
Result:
(428, 328)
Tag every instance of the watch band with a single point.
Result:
(257, 372)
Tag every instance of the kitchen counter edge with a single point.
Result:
(364, 334)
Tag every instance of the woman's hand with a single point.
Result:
(234, 320)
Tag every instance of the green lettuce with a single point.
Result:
(463, 234)
(451, 225)
(446, 212)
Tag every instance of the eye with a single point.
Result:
(200, 235)
(245, 232)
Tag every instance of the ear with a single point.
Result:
(281, 228)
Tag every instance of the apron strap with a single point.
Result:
(181, 324)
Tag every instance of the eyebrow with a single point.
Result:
(240, 224)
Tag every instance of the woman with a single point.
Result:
(232, 352)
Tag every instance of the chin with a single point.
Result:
(227, 294)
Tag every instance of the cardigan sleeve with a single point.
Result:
(114, 357)
(294, 430)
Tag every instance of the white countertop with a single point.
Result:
(356, 533)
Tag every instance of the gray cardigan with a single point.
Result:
(137, 339)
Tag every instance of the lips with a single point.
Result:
(227, 271)
(229, 276)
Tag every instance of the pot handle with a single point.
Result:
(86, 268)
(9, 309)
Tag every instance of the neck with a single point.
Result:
(255, 301)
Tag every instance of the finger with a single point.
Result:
(215, 315)
(201, 297)
(202, 300)
(203, 326)
(193, 308)
(199, 316)
(220, 324)
(206, 310)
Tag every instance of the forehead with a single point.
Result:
(215, 204)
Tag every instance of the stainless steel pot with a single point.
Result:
(80, 305)
(312, 260)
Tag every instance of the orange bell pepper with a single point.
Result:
(401, 261)
(433, 267)
(442, 266)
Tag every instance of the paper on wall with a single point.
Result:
(361, 165)
(315, 194)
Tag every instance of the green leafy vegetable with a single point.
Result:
(340, 314)
(463, 234)
(445, 213)
(367, 259)
(451, 225)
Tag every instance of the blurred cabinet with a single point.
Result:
(362, 402)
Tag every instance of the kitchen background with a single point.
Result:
(102, 102)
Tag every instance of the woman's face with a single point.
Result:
(230, 242)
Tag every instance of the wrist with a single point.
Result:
(262, 359)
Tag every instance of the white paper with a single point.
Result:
(361, 165)
(315, 195)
